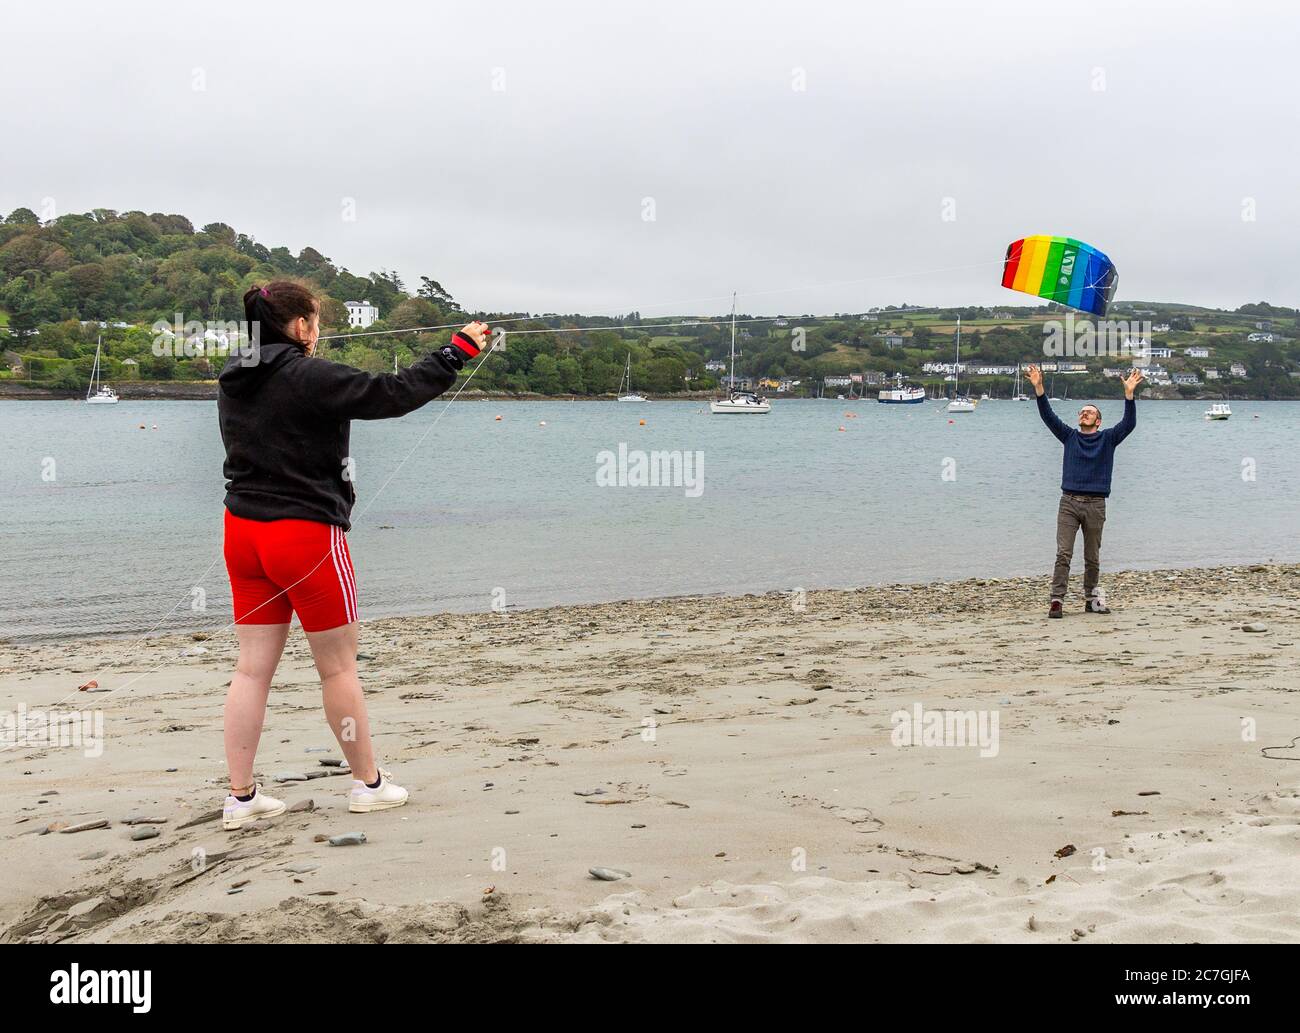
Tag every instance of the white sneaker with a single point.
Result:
(387, 795)
(240, 812)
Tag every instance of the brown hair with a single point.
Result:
(278, 304)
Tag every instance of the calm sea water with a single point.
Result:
(127, 534)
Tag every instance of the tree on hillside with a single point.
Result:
(221, 233)
(174, 225)
(414, 312)
(545, 374)
(21, 324)
(312, 263)
(333, 314)
(570, 372)
(434, 291)
(246, 245)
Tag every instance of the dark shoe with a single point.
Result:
(1056, 610)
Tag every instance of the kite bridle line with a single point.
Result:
(708, 321)
(689, 301)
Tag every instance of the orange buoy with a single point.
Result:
(841, 430)
(498, 419)
(643, 423)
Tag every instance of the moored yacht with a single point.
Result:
(628, 395)
(97, 392)
(959, 403)
(739, 402)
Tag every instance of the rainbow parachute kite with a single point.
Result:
(1061, 269)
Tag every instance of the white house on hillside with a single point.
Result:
(361, 313)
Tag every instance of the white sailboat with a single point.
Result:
(739, 401)
(1018, 396)
(99, 393)
(630, 395)
(959, 403)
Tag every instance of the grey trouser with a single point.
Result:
(1078, 511)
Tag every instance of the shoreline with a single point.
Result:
(206, 390)
(1032, 588)
(735, 755)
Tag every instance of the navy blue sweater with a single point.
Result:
(1089, 458)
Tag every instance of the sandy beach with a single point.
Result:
(738, 758)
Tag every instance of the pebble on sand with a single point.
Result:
(609, 874)
(348, 839)
(144, 832)
(1255, 627)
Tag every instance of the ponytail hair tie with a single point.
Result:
(264, 294)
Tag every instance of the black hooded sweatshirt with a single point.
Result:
(285, 424)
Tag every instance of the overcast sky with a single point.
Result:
(796, 152)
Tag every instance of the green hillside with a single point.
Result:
(110, 275)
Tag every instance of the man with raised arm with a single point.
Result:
(1085, 485)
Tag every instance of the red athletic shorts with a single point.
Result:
(281, 567)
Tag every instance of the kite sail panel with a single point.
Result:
(1063, 270)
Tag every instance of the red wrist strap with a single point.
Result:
(465, 343)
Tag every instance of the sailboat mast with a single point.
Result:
(733, 341)
(956, 370)
(94, 371)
